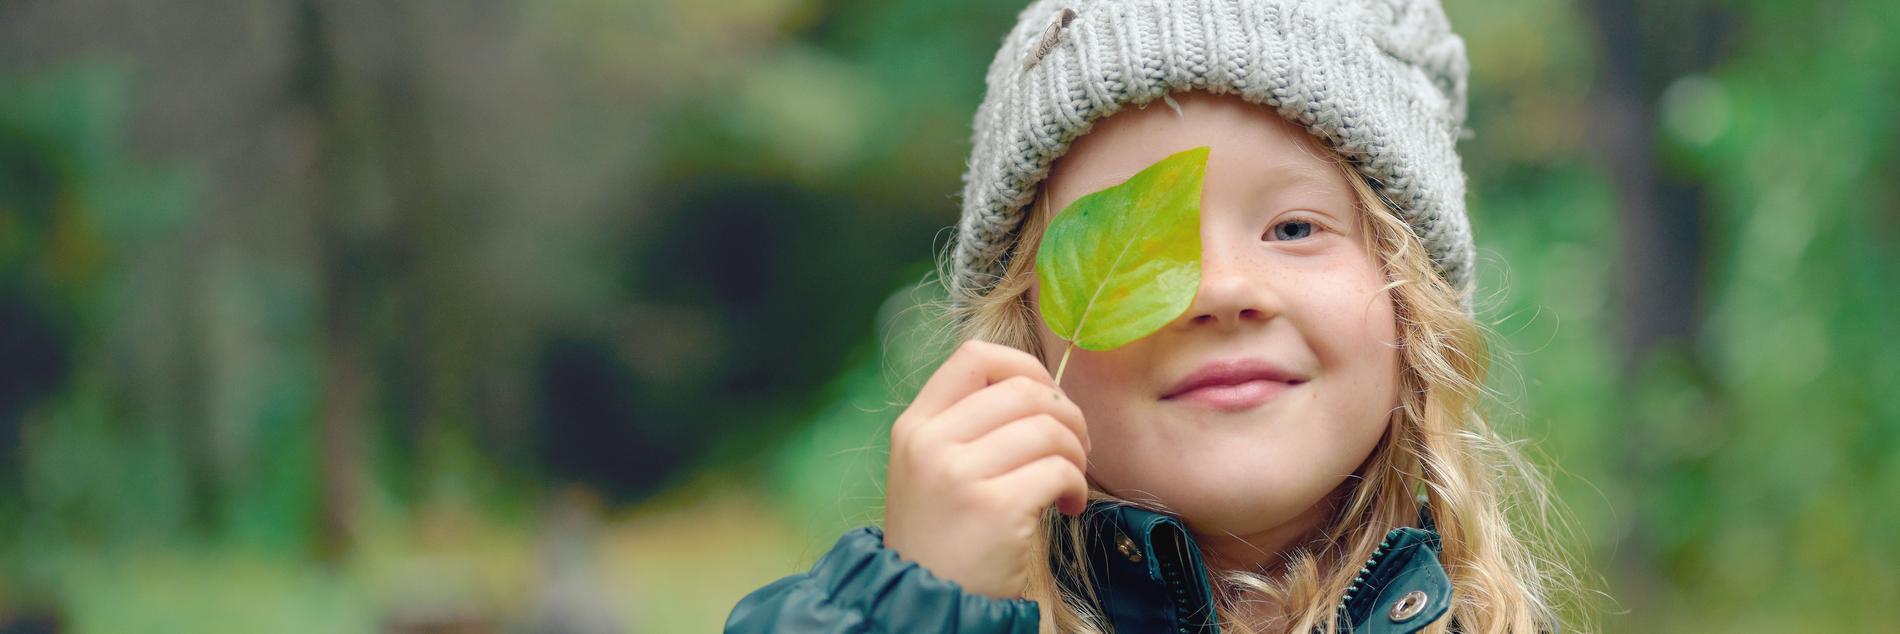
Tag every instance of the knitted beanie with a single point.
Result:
(1380, 81)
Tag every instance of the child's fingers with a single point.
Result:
(1048, 480)
(1021, 442)
(974, 366)
(1014, 398)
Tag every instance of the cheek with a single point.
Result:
(1363, 348)
(1052, 346)
(1353, 325)
(1369, 336)
(1092, 378)
(1110, 388)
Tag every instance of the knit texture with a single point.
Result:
(1381, 81)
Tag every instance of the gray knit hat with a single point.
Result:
(1381, 81)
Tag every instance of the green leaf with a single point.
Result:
(1118, 264)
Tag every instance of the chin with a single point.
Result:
(1240, 506)
(1220, 495)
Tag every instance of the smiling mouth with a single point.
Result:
(1234, 385)
(1233, 397)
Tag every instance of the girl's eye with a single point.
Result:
(1290, 230)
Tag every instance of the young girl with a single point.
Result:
(1301, 450)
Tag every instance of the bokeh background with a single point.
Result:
(590, 315)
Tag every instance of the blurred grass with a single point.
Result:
(676, 564)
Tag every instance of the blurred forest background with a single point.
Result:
(588, 315)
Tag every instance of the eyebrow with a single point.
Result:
(1299, 178)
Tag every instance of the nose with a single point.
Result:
(1232, 292)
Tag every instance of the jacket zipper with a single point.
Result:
(1359, 581)
(1175, 577)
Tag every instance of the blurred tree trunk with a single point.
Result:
(339, 436)
(387, 237)
(1661, 267)
(425, 242)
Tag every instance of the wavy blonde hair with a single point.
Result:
(1437, 445)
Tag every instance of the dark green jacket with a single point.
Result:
(1145, 565)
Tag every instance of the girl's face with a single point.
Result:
(1290, 338)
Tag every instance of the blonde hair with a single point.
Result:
(1437, 445)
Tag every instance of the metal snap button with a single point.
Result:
(1127, 548)
(1409, 606)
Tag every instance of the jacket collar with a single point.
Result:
(1149, 576)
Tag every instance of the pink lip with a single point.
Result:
(1234, 385)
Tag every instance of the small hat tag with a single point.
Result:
(1050, 37)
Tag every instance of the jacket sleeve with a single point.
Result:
(861, 586)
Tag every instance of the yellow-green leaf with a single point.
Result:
(1118, 264)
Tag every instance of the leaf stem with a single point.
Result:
(1064, 363)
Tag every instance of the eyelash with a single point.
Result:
(1269, 237)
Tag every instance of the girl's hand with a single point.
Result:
(989, 443)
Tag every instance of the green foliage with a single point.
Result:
(1120, 263)
(652, 248)
(77, 214)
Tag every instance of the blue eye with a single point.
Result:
(1290, 230)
